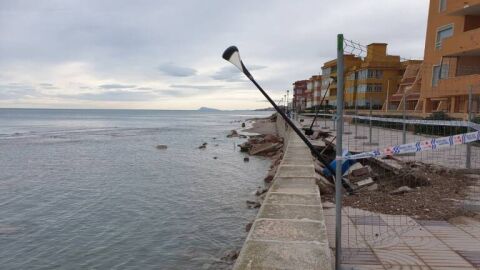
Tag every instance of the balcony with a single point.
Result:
(455, 86)
(463, 8)
(462, 44)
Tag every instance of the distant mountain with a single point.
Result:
(206, 109)
(265, 109)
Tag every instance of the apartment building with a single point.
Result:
(452, 56)
(408, 91)
(300, 95)
(329, 75)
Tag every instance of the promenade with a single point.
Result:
(289, 231)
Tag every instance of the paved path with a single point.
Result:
(453, 157)
(289, 231)
(381, 242)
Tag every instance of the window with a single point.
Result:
(439, 72)
(443, 33)
(442, 6)
(436, 75)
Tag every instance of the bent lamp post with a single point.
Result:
(232, 55)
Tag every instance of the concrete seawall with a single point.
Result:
(289, 231)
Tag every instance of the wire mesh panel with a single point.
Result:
(392, 195)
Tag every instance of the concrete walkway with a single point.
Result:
(289, 231)
(381, 242)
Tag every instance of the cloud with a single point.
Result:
(115, 95)
(13, 91)
(174, 70)
(90, 45)
(116, 86)
(232, 74)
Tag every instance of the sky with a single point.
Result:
(163, 54)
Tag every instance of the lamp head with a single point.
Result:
(232, 55)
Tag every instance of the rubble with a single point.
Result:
(233, 133)
(252, 204)
(401, 190)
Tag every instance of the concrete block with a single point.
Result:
(267, 255)
(288, 230)
(299, 212)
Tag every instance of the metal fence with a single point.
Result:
(406, 170)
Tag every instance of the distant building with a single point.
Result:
(452, 56)
(300, 95)
(374, 79)
(314, 87)
(329, 75)
(309, 93)
(409, 88)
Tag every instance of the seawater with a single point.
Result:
(87, 189)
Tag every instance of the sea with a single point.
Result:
(88, 189)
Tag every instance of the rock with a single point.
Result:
(215, 157)
(214, 138)
(243, 125)
(318, 168)
(204, 143)
(373, 187)
(252, 204)
(202, 146)
(271, 138)
(245, 147)
(246, 159)
(162, 147)
(325, 186)
(230, 256)
(261, 191)
(365, 182)
(233, 133)
(265, 148)
(248, 226)
(401, 190)
(270, 175)
(216, 144)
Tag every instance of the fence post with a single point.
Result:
(339, 163)
(468, 163)
(370, 127)
(404, 135)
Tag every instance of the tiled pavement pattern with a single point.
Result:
(289, 231)
(454, 157)
(376, 241)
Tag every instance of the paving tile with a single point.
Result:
(473, 257)
(295, 171)
(403, 257)
(451, 268)
(424, 243)
(362, 267)
(359, 256)
(406, 267)
(461, 243)
(368, 220)
(442, 258)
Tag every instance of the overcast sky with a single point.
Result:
(162, 54)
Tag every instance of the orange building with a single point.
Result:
(452, 56)
(329, 71)
(409, 88)
(373, 79)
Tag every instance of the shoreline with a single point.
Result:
(263, 140)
